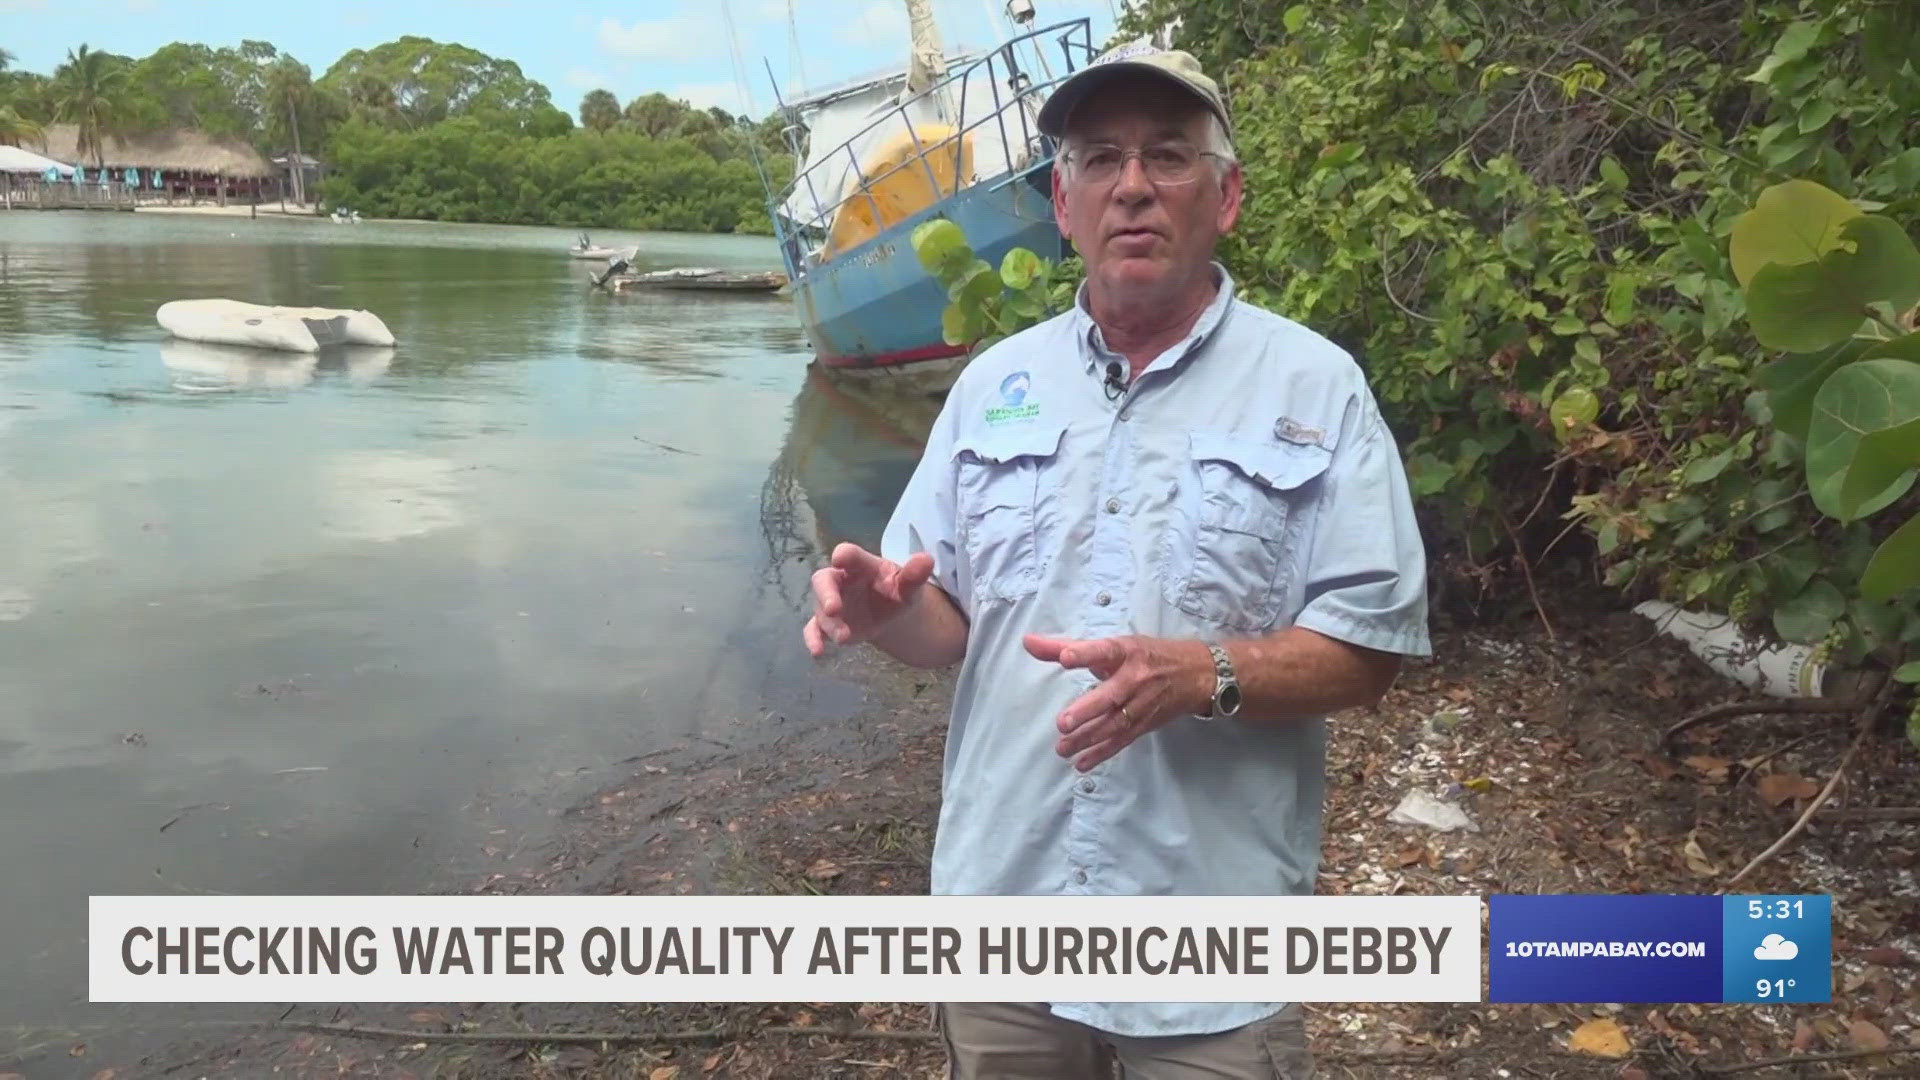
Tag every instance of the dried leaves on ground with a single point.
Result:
(1551, 747)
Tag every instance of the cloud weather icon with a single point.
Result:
(1775, 947)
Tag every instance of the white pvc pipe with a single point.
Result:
(1787, 671)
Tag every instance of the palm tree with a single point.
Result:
(17, 130)
(89, 91)
(6, 59)
(290, 93)
(656, 115)
(599, 110)
(369, 96)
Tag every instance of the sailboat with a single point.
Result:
(947, 136)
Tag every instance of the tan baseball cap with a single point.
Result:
(1134, 58)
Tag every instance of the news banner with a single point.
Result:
(1547, 948)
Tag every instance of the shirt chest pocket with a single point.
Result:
(1249, 503)
(1007, 483)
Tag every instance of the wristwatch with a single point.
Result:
(1226, 688)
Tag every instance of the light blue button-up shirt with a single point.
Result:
(1242, 483)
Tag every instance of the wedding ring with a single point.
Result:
(1126, 718)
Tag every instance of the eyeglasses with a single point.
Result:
(1165, 163)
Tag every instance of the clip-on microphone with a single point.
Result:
(1113, 386)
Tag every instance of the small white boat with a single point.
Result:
(295, 329)
(585, 248)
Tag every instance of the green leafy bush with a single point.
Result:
(1836, 289)
(468, 169)
(984, 303)
(416, 128)
(1517, 215)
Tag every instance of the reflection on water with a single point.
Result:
(375, 604)
(198, 366)
(851, 447)
(386, 495)
(444, 574)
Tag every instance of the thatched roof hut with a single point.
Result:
(178, 150)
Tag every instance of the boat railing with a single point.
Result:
(1001, 66)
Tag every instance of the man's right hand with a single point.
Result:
(859, 593)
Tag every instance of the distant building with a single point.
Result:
(22, 169)
(176, 163)
(310, 172)
(19, 161)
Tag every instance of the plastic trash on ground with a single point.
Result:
(1418, 807)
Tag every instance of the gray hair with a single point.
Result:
(1219, 145)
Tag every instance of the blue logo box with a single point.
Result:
(1777, 948)
(1659, 948)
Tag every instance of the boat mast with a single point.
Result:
(929, 61)
(996, 20)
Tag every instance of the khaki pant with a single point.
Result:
(1028, 1042)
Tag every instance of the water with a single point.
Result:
(271, 625)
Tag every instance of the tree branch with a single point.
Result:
(1867, 718)
(1872, 813)
(1747, 708)
(1386, 282)
(1526, 571)
(1797, 1059)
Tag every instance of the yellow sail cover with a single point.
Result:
(896, 182)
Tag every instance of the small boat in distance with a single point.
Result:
(585, 248)
(948, 137)
(700, 279)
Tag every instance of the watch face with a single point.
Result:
(1229, 699)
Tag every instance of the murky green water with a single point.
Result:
(272, 625)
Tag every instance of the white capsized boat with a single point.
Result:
(297, 329)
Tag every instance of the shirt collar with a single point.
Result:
(1094, 344)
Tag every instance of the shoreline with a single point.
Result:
(293, 212)
(245, 210)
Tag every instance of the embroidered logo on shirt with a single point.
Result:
(1294, 431)
(1013, 391)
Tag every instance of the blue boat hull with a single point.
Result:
(876, 306)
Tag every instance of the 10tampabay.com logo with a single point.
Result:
(1659, 948)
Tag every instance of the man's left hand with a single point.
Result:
(1144, 683)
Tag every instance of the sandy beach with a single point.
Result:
(245, 210)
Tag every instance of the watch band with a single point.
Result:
(1225, 685)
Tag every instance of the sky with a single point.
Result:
(678, 47)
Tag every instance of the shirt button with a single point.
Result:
(1086, 786)
(1079, 877)
(1104, 598)
(1113, 506)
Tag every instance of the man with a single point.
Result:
(1164, 534)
